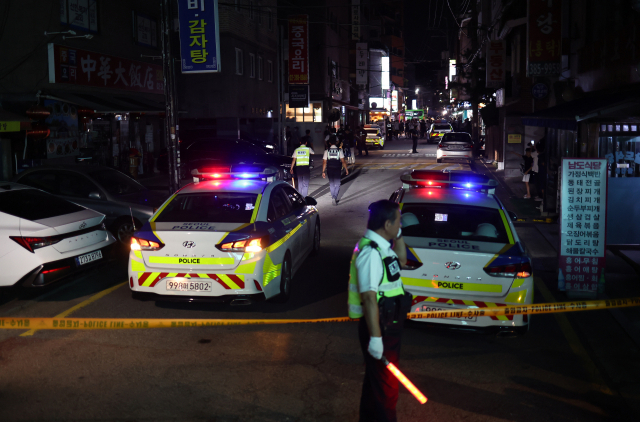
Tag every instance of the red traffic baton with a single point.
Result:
(405, 381)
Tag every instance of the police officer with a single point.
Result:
(377, 297)
(300, 164)
(332, 162)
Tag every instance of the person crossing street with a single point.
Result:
(377, 297)
(300, 165)
(332, 162)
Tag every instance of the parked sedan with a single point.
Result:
(226, 152)
(44, 238)
(455, 145)
(121, 199)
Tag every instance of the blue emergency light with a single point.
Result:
(455, 179)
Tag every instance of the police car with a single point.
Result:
(462, 249)
(235, 235)
(374, 138)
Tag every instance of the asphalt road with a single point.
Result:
(310, 372)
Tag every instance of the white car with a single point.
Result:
(463, 251)
(44, 238)
(437, 131)
(225, 239)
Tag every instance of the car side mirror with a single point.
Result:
(95, 195)
(512, 216)
(310, 201)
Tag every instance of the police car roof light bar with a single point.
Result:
(452, 179)
(233, 172)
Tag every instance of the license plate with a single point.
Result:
(427, 308)
(90, 257)
(456, 147)
(190, 286)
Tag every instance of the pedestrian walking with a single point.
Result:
(414, 138)
(401, 128)
(423, 128)
(377, 297)
(306, 139)
(332, 163)
(527, 168)
(300, 165)
(362, 143)
(396, 129)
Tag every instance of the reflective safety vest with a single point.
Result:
(333, 158)
(302, 155)
(390, 286)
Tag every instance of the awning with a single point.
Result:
(567, 115)
(115, 103)
(11, 122)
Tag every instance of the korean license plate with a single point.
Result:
(90, 257)
(427, 308)
(190, 286)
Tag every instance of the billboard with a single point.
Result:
(199, 38)
(299, 49)
(361, 63)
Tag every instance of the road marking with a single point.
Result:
(80, 306)
(574, 342)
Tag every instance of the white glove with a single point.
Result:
(375, 347)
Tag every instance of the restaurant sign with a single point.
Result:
(299, 49)
(583, 217)
(87, 68)
(199, 36)
(544, 37)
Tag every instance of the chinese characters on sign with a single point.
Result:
(362, 57)
(582, 225)
(199, 37)
(496, 58)
(298, 49)
(80, 67)
(545, 38)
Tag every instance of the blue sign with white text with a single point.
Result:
(199, 38)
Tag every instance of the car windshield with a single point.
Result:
(441, 127)
(116, 183)
(458, 222)
(33, 204)
(371, 131)
(210, 207)
(456, 137)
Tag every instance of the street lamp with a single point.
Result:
(417, 90)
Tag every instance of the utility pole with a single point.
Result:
(473, 29)
(171, 140)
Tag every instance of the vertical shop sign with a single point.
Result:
(199, 36)
(355, 20)
(80, 14)
(496, 58)
(361, 63)
(544, 38)
(583, 216)
(298, 49)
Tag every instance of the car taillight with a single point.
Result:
(412, 265)
(138, 244)
(522, 270)
(442, 146)
(247, 245)
(468, 146)
(33, 243)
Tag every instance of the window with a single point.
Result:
(294, 197)
(116, 183)
(32, 204)
(459, 222)
(252, 65)
(270, 20)
(279, 205)
(76, 185)
(41, 180)
(251, 15)
(260, 70)
(269, 71)
(239, 62)
(305, 114)
(210, 207)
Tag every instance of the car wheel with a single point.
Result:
(381, 146)
(285, 280)
(316, 239)
(123, 230)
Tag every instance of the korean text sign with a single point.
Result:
(544, 37)
(299, 49)
(362, 59)
(81, 67)
(582, 224)
(496, 58)
(199, 36)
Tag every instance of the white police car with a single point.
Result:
(234, 235)
(463, 251)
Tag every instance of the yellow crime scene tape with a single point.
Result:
(141, 323)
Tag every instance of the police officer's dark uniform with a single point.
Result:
(333, 161)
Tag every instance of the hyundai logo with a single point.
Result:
(83, 225)
(452, 265)
(189, 244)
